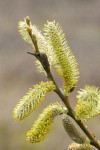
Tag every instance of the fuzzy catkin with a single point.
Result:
(88, 103)
(32, 100)
(65, 61)
(42, 43)
(44, 122)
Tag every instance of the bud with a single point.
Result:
(75, 146)
(71, 130)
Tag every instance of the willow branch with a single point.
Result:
(44, 62)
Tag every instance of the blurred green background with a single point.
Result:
(80, 20)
